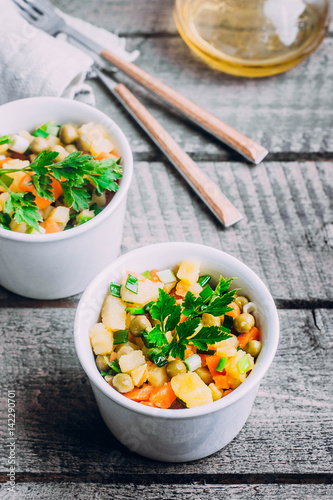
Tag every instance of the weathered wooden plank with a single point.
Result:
(289, 113)
(31, 491)
(151, 18)
(286, 234)
(59, 430)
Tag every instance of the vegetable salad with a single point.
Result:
(56, 177)
(175, 341)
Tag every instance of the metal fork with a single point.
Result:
(42, 14)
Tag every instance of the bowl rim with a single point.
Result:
(119, 194)
(250, 382)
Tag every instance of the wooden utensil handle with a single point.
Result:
(251, 150)
(204, 187)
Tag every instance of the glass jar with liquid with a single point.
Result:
(252, 38)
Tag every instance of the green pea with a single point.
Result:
(244, 322)
(253, 347)
(175, 367)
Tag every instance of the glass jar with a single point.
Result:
(252, 38)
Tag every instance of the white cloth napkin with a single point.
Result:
(33, 63)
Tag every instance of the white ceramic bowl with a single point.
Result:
(53, 266)
(187, 434)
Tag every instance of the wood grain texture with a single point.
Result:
(30, 491)
(286, 235)
(233, 138)
(288, 113)
(60, 432)
(222, 208)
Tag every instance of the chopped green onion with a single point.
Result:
(5, 220)
(114, 365)
(206, 293)
(156, 356)
(244, 364)
(40, 133)
(135, 310)
(208, 351)
(228, 322)
(166, 276)
(96, 209)
(104, 374)
(203, 280)
(50, 128)
(120, 337)
(115, 289)
(145, 338)
(6, 179)
(6, 139)
(81, 219)
(239, 348)
(148, 306)
(221, 364)
(192, 362)
(132, 284)
(147, 275)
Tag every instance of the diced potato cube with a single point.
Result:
(216, 393)
(157, 375)
(123, 350)
(3, 198)
(130, 361)
(234, 375)
(18, 228)
(3, 148)
(46, 212)
(60, 215)
(147, 291)
(113, 313)
(182, 288)
(17, 177)
(139, 375)
(191, 389)
(228, 347)
(101, 339)
(26, 135)
(189, 271)
(100, 200)
(123, 383)
(101, 145)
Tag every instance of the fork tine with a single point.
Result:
(27, 10)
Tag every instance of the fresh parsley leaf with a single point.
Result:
(192, 305)
(222, 287)
(220, 305)
(24, 208)
(164, 307)
(208, 335)
(154, 338)
(183, 335)
(78, 198)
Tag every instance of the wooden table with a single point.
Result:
(284, 451)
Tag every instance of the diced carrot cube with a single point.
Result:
(163, 396)
(244, 338)
(51, 226)
(221, 381)
(138, 394)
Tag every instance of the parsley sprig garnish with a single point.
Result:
(75, 173)
(168, 313)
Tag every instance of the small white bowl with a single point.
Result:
(186, 434)
(53, 266)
